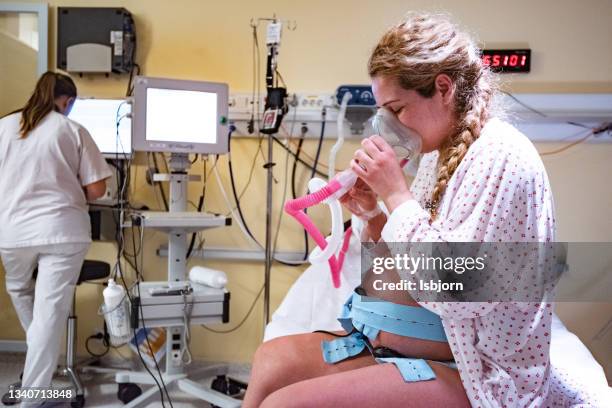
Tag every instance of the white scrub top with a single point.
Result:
(42, 200)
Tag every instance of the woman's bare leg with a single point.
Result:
(291, 359)
(379, 385)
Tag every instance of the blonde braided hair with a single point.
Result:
(415, 52)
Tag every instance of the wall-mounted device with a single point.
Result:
(361, 106)
(360, 95)
(179, 116)
(509, 60)
(95, 39)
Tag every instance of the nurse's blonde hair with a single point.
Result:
(415, 52)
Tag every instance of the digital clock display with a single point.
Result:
(507, 60)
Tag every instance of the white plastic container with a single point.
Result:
(116, 313)
(207, 276)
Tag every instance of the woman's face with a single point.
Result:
(431, 118)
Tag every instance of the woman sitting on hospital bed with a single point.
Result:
(479, 180)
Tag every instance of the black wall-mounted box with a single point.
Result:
(95, 39)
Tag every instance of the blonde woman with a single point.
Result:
(479, 180)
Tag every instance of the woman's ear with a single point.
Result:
(446, 88)
(64, 104)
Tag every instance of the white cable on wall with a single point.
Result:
(236, 218)
(336, 147)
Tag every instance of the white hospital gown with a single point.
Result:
(499, 193)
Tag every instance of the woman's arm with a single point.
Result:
(95, 190)
(373, 228)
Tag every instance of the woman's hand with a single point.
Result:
(363, 202)
(375, 163)
(360, 200)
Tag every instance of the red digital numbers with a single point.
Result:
(507, 60)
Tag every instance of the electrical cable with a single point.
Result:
(251, 171)
(606, 127)
(314, 171)
(537, 112)
(593, 131)
(159, 185)
(293, 187)
(568, 146)
(320, 145)
(236, 217)
(193, 236)
(97, 336)
(233, 184)
(127, 291)
(122, 197)
(299, 159)
(130, 88)
(244, 319)
(141, 320)
(239, 217)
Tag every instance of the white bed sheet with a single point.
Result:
(312, 303)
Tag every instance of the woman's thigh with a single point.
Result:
(290, 359)
(299, 357)
(378, 385)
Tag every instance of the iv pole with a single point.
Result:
(275, 108)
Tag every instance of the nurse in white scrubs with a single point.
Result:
(49, 168)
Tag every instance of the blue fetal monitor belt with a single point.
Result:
(364, 317)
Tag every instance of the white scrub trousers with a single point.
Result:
(43, 316)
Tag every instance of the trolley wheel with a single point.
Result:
(227, 386)
(79, 402)
(126, 392)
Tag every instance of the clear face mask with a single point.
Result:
(405, 143)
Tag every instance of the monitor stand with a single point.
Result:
(174, 375)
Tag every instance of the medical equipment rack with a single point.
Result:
(207, 305)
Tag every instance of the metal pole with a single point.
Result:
(268, 266)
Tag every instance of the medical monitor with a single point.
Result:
(100, 117)
(180, 116)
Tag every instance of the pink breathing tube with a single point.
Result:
(328, 193)
(406, 145)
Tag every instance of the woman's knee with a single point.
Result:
(278, 361)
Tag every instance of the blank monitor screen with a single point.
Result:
(99, 117)
(181, 116)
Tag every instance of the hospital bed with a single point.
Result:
(312, 303)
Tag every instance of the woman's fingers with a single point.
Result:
(371, 148)
(363, 159)
(380, 143)
(357, 169)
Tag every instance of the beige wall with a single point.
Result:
(17, 70)
(211, 40)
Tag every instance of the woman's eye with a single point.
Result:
(397, 111)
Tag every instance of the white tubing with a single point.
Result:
(334, 241)
(340, 123)
(236, 218)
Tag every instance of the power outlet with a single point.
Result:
(314, 101)
(244, 103)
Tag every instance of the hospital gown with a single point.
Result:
(499, 193)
